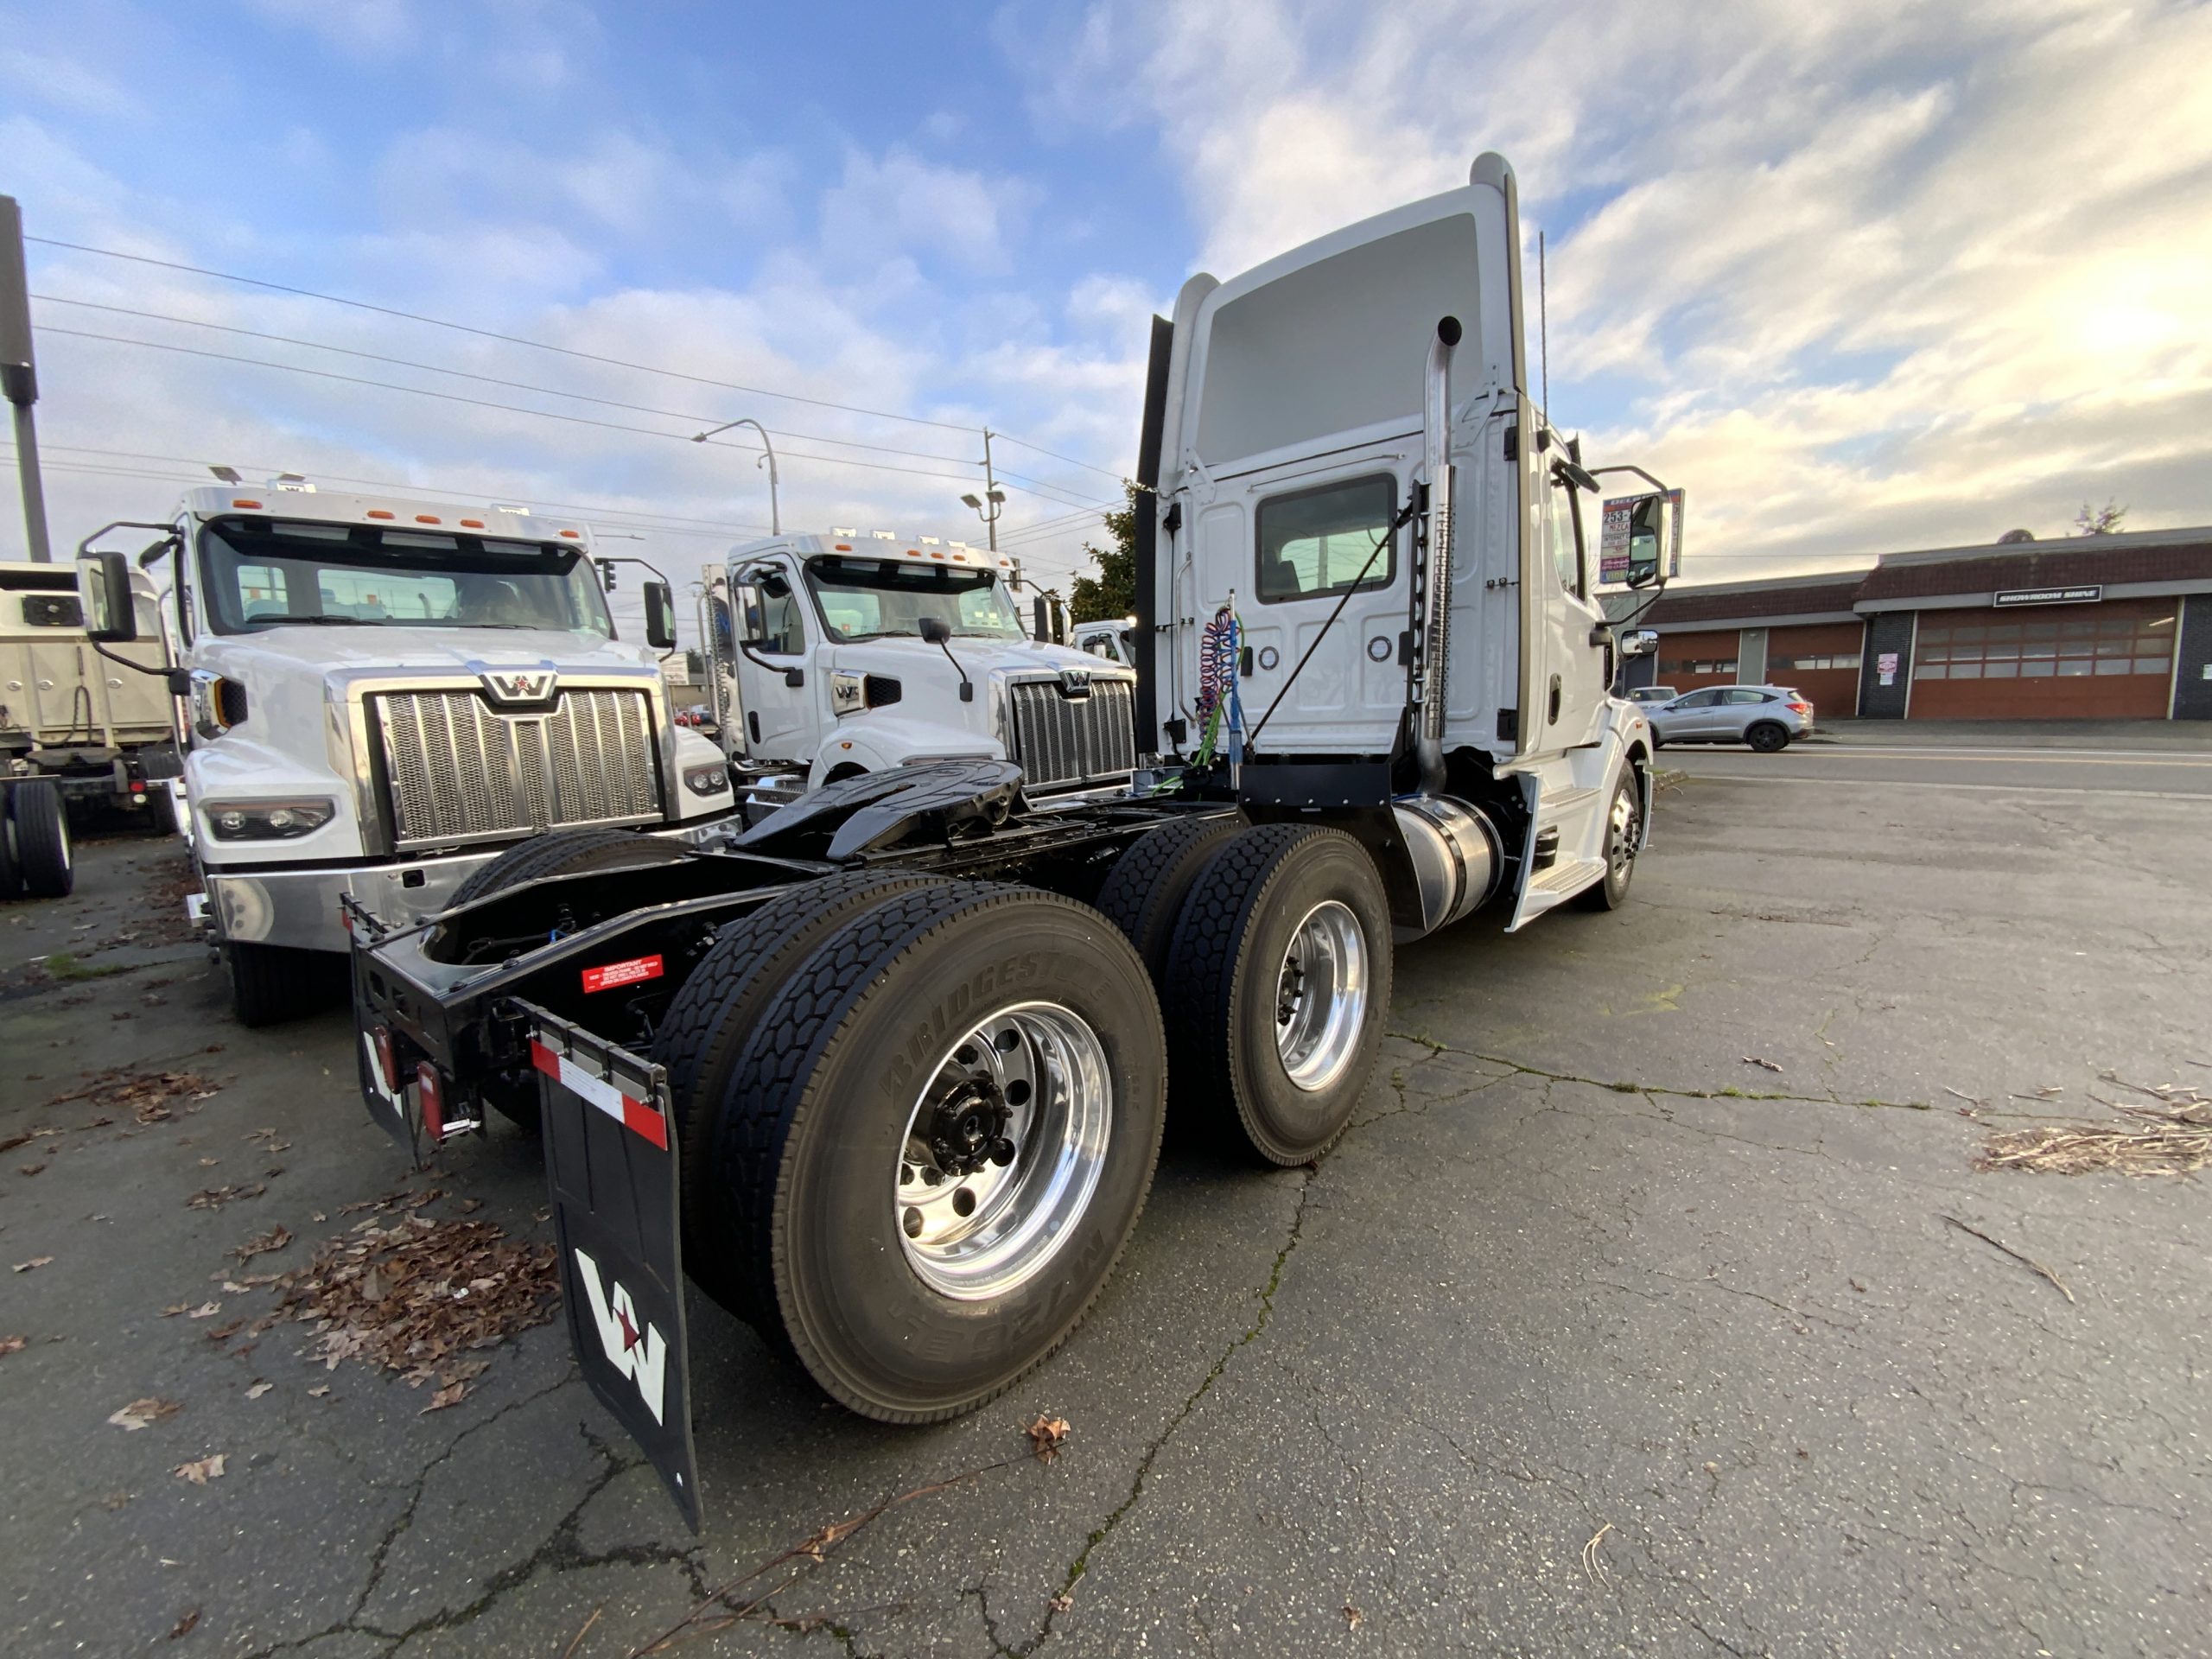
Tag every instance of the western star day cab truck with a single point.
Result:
(862, 652)
(379, 696)
(887, 1071)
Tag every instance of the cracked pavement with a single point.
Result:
(1580, 1271)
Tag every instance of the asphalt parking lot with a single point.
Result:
(1627, 1318)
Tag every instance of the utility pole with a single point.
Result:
(992, 493)
(19, 373)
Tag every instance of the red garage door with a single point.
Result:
(1687, 661)
(2112, 661)
(1822, 661)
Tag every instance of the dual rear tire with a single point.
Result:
(37, 858)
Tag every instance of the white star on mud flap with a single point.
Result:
(632, 1347)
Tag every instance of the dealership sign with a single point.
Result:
(2089, 593)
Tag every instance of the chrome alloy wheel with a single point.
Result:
(1321, 995)
(1621, 834)
(1003, 1150)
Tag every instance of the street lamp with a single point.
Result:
(767, 459)
(990, 516)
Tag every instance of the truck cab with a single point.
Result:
(1113, 640)
(1357, 495)
(857, 651)
(379, 695)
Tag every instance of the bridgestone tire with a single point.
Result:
(1143, 893)
(12, 879)
(704, 1035)
(814, 1126)
(43, 862)
(1767, 737)
(272, 983)
(1612, 892)
(565, 851)
(1224, 985)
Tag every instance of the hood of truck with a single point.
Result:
(905, 657)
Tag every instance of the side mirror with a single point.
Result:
(103, 587)
(1638, 642)
(660, 616)
(1646, 530)
(934, 629)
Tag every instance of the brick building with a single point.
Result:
(2089, 628)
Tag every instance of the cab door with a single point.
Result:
(1566, 678)
(774, 672)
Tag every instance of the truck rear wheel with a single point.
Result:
(939, 1139)
(564, 852)
(704, 1034)
(41, 819)
(272, 983)
(1143, 893)
(11, 878)
(1278, 981)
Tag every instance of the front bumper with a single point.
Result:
(300, 908)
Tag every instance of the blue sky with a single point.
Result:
(1890, 278)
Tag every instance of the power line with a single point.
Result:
(1057, 492)
(481, 403)
(451, 492)
(599, 520)
(493, 333)
(1056, 455)
(485, 379)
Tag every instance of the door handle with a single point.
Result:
(1555, 712)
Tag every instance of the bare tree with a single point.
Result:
(2099, 521)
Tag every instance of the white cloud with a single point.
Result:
(1863, 277)
(62, 83)
(375, 28)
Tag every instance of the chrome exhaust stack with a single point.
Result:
(1435, 622)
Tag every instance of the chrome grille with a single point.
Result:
(1057, 738)
(458, 770)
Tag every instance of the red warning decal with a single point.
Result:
(622, 972)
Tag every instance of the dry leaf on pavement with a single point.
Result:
(11, 1345)
(448, 1395)
(259, 1389)
(183, 1626)
(261, 1243)
(35, 1261)
(206, 1469)
(140, 1413)
(205, 1311)
(1045, 1435)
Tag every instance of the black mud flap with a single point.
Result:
(610, 1158)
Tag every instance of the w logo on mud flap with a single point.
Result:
(633, 1348)
(520, 684)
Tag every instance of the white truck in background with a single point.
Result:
(379, 696)
(852, 652)
(73, 727)
(1115, 639)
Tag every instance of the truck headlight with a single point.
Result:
(707, 780)
(267, 820)
(218, 704)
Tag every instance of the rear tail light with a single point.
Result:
(387, 1058)
(1801, 707)
(432, 1095)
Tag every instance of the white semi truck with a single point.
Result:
(859, 652)
(379, 696)
(887, 1071)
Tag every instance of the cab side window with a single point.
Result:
(1563, 527)
(783, 634)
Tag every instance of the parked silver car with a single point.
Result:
(1768, 717)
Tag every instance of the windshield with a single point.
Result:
(261, 575)
(865, 598)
